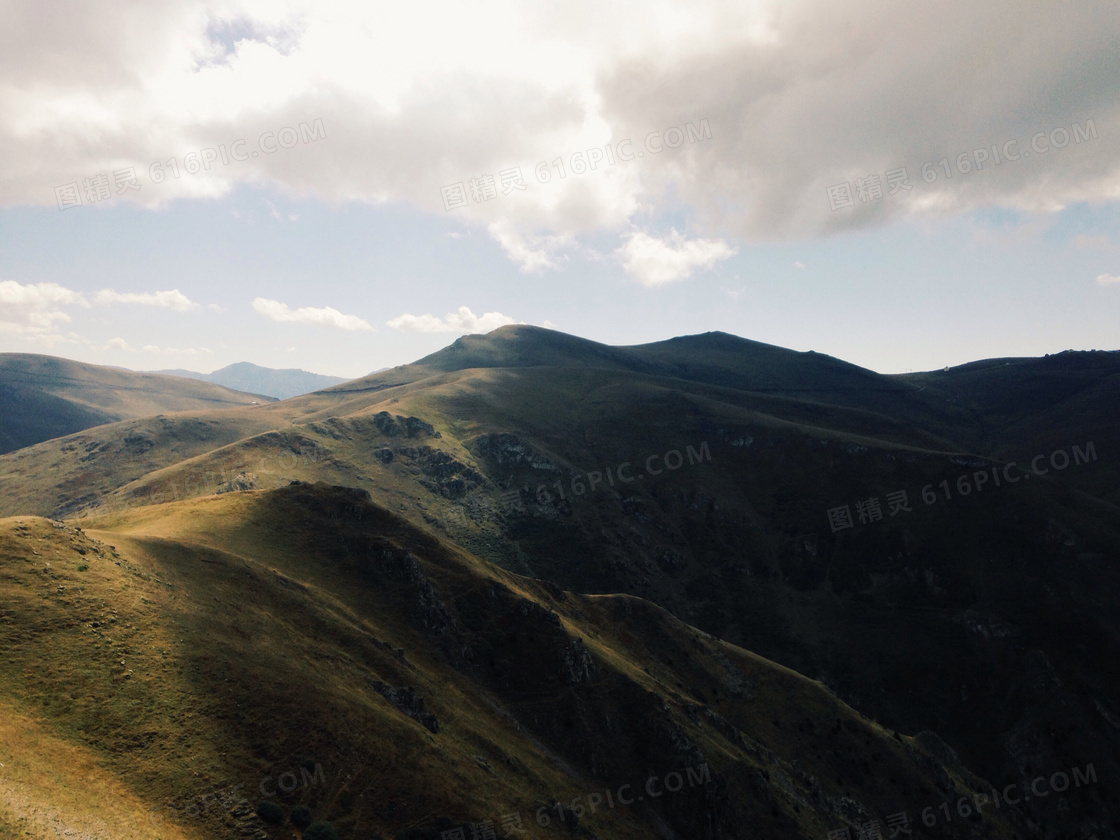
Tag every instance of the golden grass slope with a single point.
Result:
(187, 648)
(53, 787)
(332, 436)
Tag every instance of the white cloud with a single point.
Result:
(35, 310)
(798, 264)
(532, 251)
(654, 262)
(321, 317)
(170, 299)
(463, 321)
(276, 214)
(119, 344)
(1107, 279)
(798, 95)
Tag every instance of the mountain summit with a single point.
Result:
(714, 358)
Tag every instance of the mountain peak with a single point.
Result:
(522, 345)
(254, 379)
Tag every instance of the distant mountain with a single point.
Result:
(43, 397)
(254, 379)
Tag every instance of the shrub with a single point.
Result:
(320, 831)
(270, 812)
(301, 816)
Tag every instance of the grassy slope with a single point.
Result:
(1033, 406)
(224, 640)
(543, 405)
(54, 786)
(63, 475)
(45, 397)
(738, 546)
(714, 374)
(899, 615)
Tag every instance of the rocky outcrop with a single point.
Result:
(576, 661)
(407, 701)
(399, 426)
(241, 481)
(440, 472)
(507, 451)
(427, 611)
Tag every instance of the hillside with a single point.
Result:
(43, 397)
(1028, 404)
(254, 379)
(164, 666)
(716, 359)
(984, 610)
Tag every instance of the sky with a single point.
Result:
(345, 187)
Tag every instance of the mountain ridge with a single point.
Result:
(982, 612)
(279, 383)
(44, 397)
(435, 690)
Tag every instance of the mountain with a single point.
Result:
(281, 384)
(171, 667)
(1021, 403)
(709, 475)
(43, 397)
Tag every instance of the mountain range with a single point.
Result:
(254, 379)
(531, 568)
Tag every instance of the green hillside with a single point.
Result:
(703, 475)
(43, 397)
(194, 653)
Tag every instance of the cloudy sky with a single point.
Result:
(346, 187)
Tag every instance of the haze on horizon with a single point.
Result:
(341, 188)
